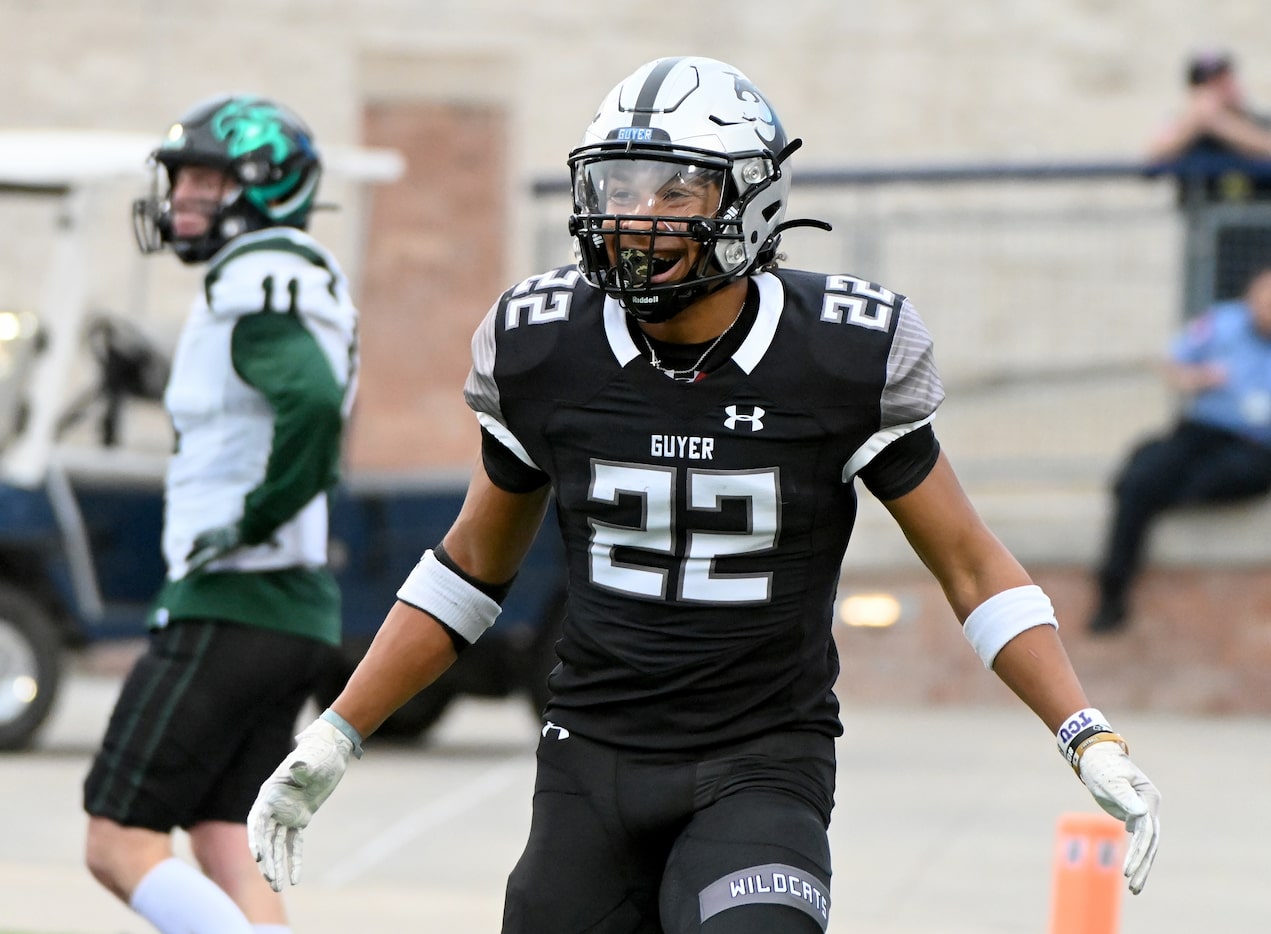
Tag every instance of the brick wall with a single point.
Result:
(434, 263)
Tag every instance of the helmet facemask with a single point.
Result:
(649, 228)
(153, 224)
(660, 229)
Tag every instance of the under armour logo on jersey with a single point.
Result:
(561, 732)
(738, 416)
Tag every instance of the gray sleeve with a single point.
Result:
(912, 391)
(481, 390)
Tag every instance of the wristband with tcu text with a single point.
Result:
(1077, 729)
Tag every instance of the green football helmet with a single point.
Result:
(265, 148)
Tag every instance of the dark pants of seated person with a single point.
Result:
(1193, 464)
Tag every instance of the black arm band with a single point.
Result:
(902, 465)
(458, 641)
(496, 592)
(506, 470)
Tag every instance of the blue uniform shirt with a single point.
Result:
(1226, 336)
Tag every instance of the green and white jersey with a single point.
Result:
(262, 382)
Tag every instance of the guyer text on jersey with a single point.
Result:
(684, 447)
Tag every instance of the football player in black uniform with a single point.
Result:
(701, 417)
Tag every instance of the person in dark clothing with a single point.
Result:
(1216, 121)
(1218, 452)
(1219, 149)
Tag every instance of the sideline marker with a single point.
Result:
(1087, 880)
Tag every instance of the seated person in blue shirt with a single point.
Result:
(1218, 452)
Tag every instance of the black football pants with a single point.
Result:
(659, 843)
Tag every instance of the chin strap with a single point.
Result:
(803, 222)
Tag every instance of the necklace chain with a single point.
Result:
(688, 371)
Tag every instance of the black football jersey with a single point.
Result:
(704, 523)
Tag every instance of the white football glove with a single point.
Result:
(1127, 794)
(288, 799)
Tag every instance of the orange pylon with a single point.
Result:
(1086, 891)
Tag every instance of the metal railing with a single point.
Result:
(1051, 289)
(1017, 269)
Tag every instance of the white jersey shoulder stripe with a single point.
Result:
(506, 438)
(877, 441)
(620, 342)
(772, 300)
(748, 355)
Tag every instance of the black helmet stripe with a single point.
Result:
(644, 106)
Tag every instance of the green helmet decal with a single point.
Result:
(247, 125)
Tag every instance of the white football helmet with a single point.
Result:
(682, 122)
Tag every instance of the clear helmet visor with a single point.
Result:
(651, 220)
(648, 188)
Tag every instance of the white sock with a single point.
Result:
(178, 899)
(271, 929)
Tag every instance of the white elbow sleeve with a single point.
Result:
(1003, 616)
(439, 591)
